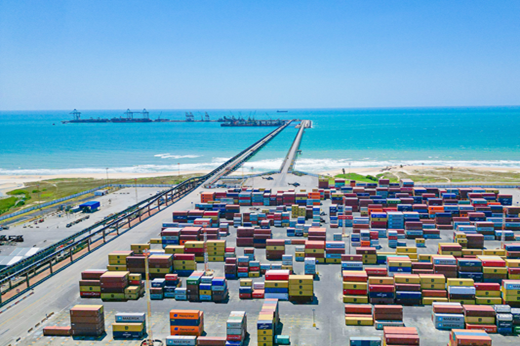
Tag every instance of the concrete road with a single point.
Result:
(53, 228)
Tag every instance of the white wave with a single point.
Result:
(170, 156)
(263, 165)
(215, 162)
(319, 165)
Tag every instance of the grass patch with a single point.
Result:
(364, 178)
(7, 203)
(63, 187)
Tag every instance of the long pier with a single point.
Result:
(288, 163)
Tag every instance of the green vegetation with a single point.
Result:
(438, 175)
(7, 203)
(63, 187)
(365, 178)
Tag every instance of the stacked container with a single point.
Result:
(511, 292)
(315, 249)
(184, 264)
(113, 285)
(129, 325)
(186, 322)
(480, 317)
(117, 260)
(448, 316)
(267, 323)
(408, 289)
(309, 266)
(275, 249)
(381, 290)
(355, 287)
(277, 284)
(461, 290)
(433, 288)
(301, 288)
(90, 283)
(87, 320)
(462, 337)
(245, 290)
(236, 328)
(358, 315)
(401, 336)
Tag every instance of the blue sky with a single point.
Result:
(258, 54)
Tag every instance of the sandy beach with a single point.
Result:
(11, 182)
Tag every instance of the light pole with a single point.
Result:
(252, 177)
(136, 197)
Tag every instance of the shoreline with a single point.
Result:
(11, 182)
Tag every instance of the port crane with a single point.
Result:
(130, 114)
(75, 114)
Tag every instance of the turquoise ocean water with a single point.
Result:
(31, 144)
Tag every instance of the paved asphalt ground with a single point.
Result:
(54, 229)
(60, 292)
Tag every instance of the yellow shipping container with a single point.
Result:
(407, 278)
(301, 287)
(113, 296)
(216, 243)
(425, 257)
(471, 252)
(160, 270)
(488, 300)
(355, 299)
(254, 274)
(380, 280)
(116, 261)
(430, 300)
(495, 252)
(399, 263)
(402, 249)
(333, 260)
(276, 283)
(275, 248)
(205, 292)
(194, 244)
(215, 258)
(265, 332)
(359, 321)
(116, 268)
(513, 263)
(479, 320)
(89, 288)
(186, 267)
(460, 282)
(134, 277)
(301, 279)
(246, 282)
(429, 286)
(463, 301)
(315, 251)
(494, 270)
(299, 254)
(487, 294)
(432, 278)
(307, 293)
(174, 249)
(156, 241)
(127, 327)
(355, 285)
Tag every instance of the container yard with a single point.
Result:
(345, 264)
